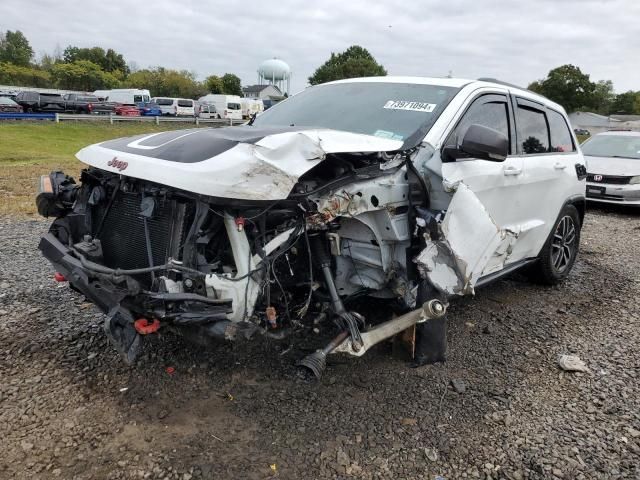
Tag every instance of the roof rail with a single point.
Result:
(500, 82)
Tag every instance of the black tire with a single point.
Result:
(559, 252)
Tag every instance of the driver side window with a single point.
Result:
(489, 111)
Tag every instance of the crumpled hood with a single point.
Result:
(627, 167)
(245, 163)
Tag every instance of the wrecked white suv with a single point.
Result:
(412, 190)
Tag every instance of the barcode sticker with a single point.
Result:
(412, 106)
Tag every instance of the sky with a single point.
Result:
(513, 40)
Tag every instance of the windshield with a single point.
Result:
(398, 111)
(626, 146)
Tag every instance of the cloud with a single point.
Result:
(513, 40)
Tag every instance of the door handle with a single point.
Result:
(559, 166)
(512, 171)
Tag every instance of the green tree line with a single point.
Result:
(95, 68)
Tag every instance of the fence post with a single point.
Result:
(57, 118)
(111, 118)
(231, 122)
(197, 121)
(157, 120)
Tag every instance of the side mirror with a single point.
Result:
(479, 142)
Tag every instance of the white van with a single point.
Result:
(178, 107)
(251, 106)
(126, 96)
(227, 106)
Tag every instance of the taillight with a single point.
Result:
(90, 107)
(225, 113)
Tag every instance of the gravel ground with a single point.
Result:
(69, 408)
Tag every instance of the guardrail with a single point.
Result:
(61, 117)
(28, 116)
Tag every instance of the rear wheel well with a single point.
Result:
(581, 205)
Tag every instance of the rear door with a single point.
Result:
(549, 155)
(497, 185)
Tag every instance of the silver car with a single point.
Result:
(613, 165)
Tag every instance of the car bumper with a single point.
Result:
(616, 194)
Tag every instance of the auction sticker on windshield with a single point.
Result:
(412, 106)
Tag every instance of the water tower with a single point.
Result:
(275, 72)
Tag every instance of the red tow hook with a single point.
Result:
(58, 277)
(144, 327)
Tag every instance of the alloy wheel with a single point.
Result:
(563, 245)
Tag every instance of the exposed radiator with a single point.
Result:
(123, 237)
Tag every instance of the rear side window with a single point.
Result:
(561, 140)
(533, 133)
(489, 111)
(185, 103)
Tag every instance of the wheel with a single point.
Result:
(559, 252)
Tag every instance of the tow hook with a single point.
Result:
(144, 327)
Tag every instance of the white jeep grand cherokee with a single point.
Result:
(410, 190)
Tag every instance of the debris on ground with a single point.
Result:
(572, 363)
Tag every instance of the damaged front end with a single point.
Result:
(157, 255)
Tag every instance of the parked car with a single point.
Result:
(40, 102)
(582, 131)
(613, 162)
(127, 110)
(251, 106)
(207, 111)
(427, 190)
(179, 107)
(77, 103)
(125, 96)
(165, 104)
(150, 109)
(9, 106)
(227, 106)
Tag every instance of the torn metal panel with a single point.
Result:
(471, 239)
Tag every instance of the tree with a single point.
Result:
(355, 61)
(231, 84)
(82, 75)
(568, 86)
(17, 75)
(626, 103)
(603, 97)
(213, 84)
(15, 48)
(109, 61)
(164, 82)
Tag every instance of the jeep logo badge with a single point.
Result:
(597, 178)
(119, 164)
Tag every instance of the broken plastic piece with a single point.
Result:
(58, 277)
(144, 327)
(170, 370)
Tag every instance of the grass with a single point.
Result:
(31, 149)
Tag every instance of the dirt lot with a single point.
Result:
(69, 408)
